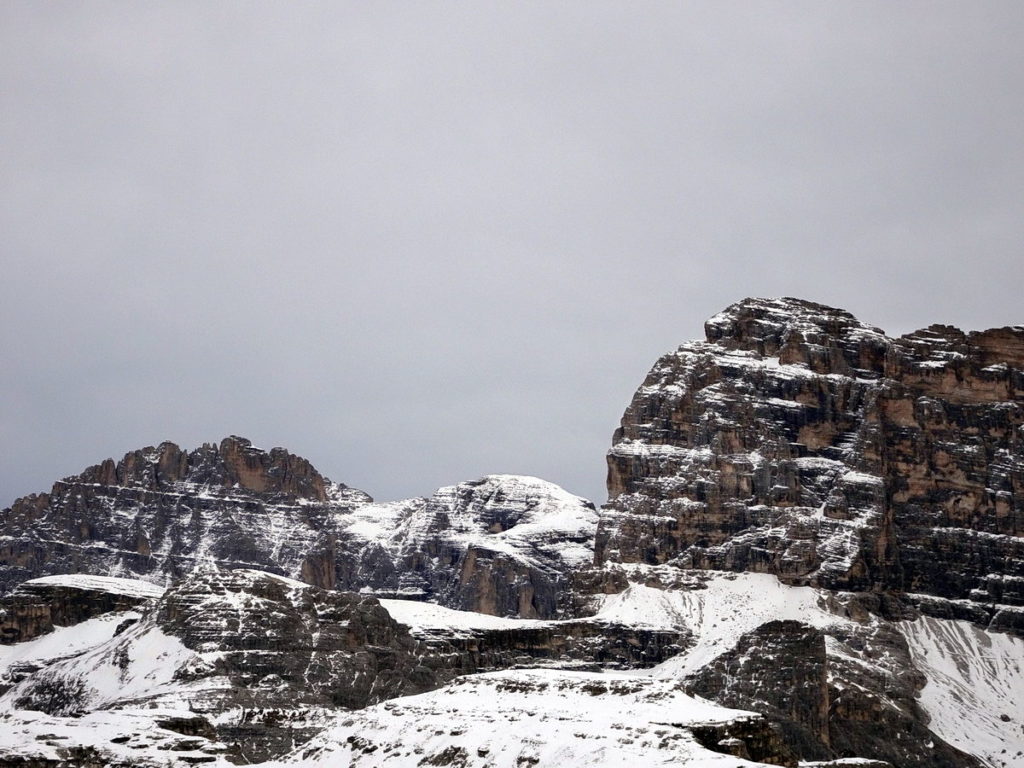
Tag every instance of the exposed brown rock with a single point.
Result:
(797, 441)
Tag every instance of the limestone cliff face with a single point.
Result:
(798, 441)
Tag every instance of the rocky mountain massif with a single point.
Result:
(812, 554)
(797, 441)
(502, 544)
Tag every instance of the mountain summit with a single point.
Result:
(800, 442)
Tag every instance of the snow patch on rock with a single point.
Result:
(111, 584)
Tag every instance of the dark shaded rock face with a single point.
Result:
(779, 670)
(23, 617)
(797, 441)
(759, 740)
(858, 698)
(874, 711)
(573, 644)
(155, 512)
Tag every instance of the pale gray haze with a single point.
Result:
(421, 242)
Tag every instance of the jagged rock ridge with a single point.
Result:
(504, 544)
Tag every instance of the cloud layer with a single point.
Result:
(418, 243)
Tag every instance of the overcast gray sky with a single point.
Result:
(421, 242)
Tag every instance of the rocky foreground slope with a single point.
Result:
(812, 554)
(238, 666)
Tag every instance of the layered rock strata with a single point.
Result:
(467, 643)
(795, 440)
(255, 654)
(159, 511)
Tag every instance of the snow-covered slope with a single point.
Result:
(715, 612)
(139, 664)
(424, 618)
(39, 674)
(62, 642)
(539, 718)
(144, 738)
(835, 675)
(724, 607)
(975, 689)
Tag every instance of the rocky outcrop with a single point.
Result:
(504, 545)
(37, 606)
(749, 739)
(571, 644)
(281, 643)
(835, 693)
(797, 441)
(780, 670)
